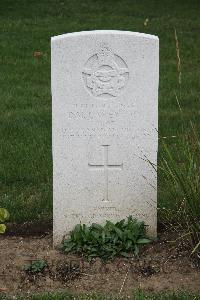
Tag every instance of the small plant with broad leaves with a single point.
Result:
(4, 216)
(36, 266)
(113, 239)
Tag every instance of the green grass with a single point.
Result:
(137, 296)
(180, 172)
(25, 98)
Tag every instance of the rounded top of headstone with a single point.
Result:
(104, 32)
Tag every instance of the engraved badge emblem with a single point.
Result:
(105, 73)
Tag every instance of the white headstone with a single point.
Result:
(105, 114)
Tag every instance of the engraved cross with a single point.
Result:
(105, 167)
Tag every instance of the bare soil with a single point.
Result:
(163, 265)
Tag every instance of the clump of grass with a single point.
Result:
(107, 241)
(180, 169)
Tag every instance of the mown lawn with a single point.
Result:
(137, 296)
(25, 94)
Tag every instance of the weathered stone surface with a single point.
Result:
(105, 114)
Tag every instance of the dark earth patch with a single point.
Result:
(163, 265)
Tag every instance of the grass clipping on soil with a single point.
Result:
(112, 239)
